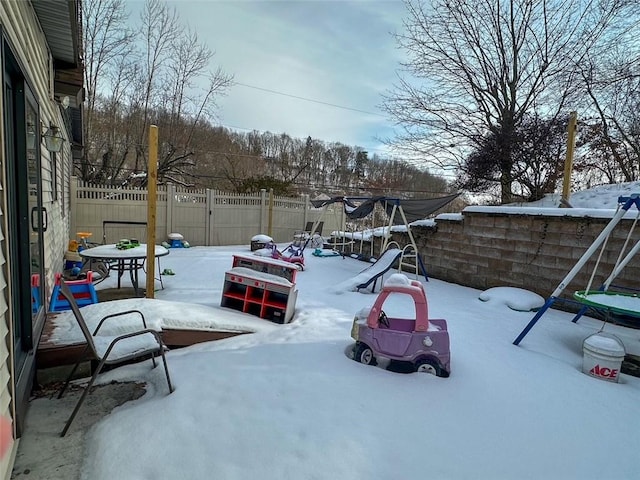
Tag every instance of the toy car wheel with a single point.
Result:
(362, 353)
(299, 266)
(427, 365)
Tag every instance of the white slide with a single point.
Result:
(371, 273)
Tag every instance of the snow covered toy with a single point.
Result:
(291, 254)
(325, 252)
(176, 240)
(419, 341)
(126, 244)
(260, 241)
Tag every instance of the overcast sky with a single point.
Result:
(332, 51)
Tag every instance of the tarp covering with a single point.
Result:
(362, 210)
(413, 209)
(327, 201)
(418, 209)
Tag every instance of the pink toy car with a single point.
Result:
(421, 342)
(291, 254)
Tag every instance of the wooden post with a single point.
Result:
(270, 227)
(208, 234)
(305, 209)
(152, 182)
(171, 198)
(572, 129)
(263, 205)
(73, 207)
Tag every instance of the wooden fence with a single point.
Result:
(204, 217)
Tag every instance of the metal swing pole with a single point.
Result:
(621, 265)
(617, 269)
(387, 234)
(628, 202)
(594, 246)
(614, 274)
(418, 262)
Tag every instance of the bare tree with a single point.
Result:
(160, 30)
(107, 42)
(164, 78)
(612, 82)
(481, 67)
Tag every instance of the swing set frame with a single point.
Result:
(624, 204)
(410, 260)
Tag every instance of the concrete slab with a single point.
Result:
(42, 453)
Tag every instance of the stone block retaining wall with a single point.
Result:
(533, 249)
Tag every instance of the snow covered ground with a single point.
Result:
(602, 196)
(287, 402)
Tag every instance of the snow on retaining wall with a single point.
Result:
(500, 246)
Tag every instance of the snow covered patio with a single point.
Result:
(287, 402)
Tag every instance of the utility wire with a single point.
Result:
(275, 92)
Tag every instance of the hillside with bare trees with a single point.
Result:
(159, 74)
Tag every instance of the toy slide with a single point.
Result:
(375, 271)
(371, 274)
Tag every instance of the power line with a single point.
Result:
(297, 97)
(275, 92)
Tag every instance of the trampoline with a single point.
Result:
(614, 302)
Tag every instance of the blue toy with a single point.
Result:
(83, 291)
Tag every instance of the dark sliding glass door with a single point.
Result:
(26, 222)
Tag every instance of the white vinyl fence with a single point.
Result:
(203, 217)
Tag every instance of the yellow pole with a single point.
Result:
(152, 177)
(572, 130)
